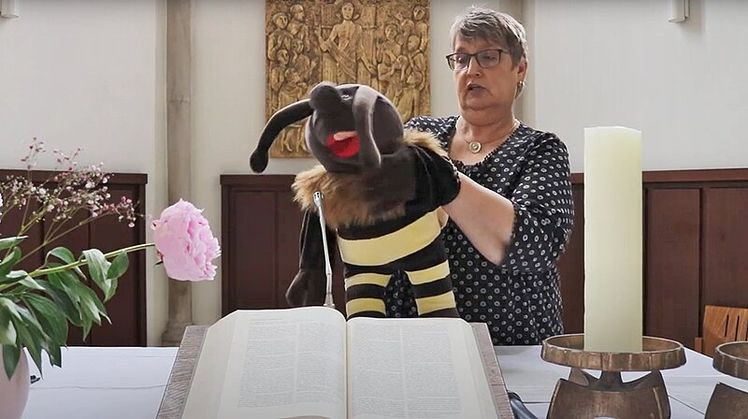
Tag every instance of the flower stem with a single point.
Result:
(47, 271)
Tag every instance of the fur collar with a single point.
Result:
(344, 204)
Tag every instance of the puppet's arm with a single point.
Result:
(437, 180)
(308, 286)
(414, 175)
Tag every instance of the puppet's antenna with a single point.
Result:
(328, 270)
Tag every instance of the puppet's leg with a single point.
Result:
(433, 291)
(364, 294)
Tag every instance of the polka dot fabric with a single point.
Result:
(520, 299)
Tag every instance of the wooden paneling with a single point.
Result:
(571, 266)
(257, 251)
(672, 252)
(127, 309)
(289, 223)
(695, 225)
(725, 252)
(260, 242)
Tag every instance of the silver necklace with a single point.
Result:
(476, 146)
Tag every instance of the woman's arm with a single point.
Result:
(484, 216)
(527, 231)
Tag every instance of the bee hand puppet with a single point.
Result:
(383, 187)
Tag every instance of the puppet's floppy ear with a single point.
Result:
(292, 113)
(363, 114)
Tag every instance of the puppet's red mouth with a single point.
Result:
(345, 145)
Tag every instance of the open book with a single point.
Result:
(310, 363)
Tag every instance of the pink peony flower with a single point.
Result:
(185, 243)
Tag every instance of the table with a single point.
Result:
(98, 382)
(689, 386)
(128, 383)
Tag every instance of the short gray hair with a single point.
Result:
(483, 23)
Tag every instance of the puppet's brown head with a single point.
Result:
(349, 128)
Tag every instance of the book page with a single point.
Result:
(415, 368)
(276, 364)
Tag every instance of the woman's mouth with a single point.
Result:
(474, 87)
(344, 143)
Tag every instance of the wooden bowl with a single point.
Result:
(731, 358)
(656, 354)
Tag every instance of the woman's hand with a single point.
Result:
(393, 183)
(417, 177)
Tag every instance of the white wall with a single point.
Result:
(228, 103)
(90, 74)
(622, 63)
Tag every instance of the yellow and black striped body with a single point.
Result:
(411, 244)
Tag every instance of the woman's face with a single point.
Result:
(486, 88)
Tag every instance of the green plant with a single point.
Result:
(37, 307)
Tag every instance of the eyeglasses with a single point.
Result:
(486, 58)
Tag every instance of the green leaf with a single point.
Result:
(10, 308)
(91, 304)
(118, 266)
(98, 266)
(11, 355)
(13, 276)
(50, 316)
(116, 270)
(53, 328)
(69, 284)
(112, 289)
(31, 283)
(62, 301)
(8, 242)
(7, 264)
(7, 330)
(86, 329)
(30, 335)
(55, 355)
(61, 253)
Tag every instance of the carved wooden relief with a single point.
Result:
(382, 43)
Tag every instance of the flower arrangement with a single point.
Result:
(37, 307)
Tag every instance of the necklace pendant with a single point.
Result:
(474, 147)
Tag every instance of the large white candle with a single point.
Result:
(612, 240)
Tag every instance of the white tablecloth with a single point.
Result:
(128, 383)
(102, 383)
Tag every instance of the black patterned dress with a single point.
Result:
(519, 299)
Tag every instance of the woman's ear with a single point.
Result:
(522, 69)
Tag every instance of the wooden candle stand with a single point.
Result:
(728, 402)
(585, 396)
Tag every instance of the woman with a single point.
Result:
(513, 213)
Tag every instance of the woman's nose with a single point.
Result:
(473, 67)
